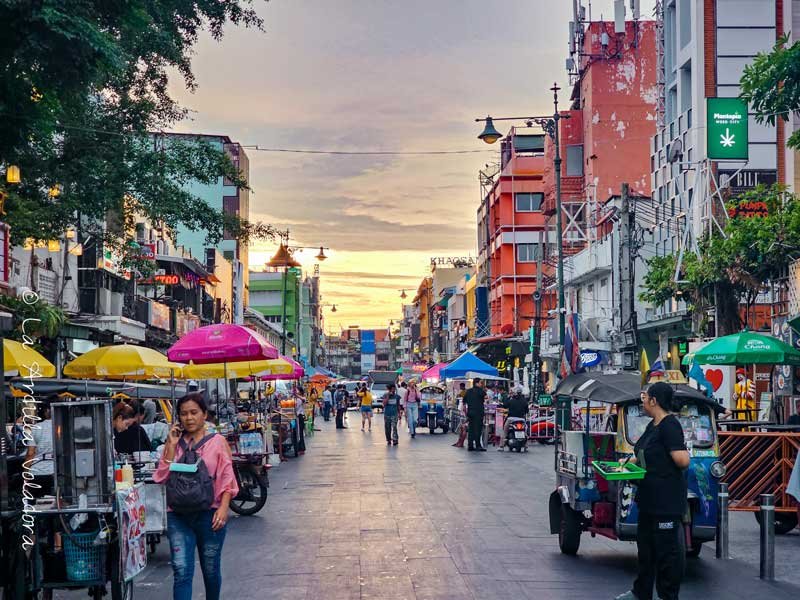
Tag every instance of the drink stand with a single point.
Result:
(89, 534)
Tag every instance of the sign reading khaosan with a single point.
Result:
(726, 127)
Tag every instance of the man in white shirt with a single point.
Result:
(41, 468)
(327, 403)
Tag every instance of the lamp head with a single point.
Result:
(283, 258)
(403, 295)
(489, 134)
(321, 256)
(333, 308)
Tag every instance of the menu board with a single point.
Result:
(132, 533)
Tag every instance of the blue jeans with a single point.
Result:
(412, 416)
(187, 532)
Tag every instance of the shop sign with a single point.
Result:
(748, 209)
(726, 129)
(545, 400)
(744, 180)
(167, 279)
(590, 358)
(452, 261)
(111, 261)
(147, 251)
(133, 532)
(184, 323)
(159, 315)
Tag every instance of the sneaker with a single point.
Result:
(500, 449)
(362, 430)
(413, 435)
(471, 449)
(395, 442)
(629, 595)
(480, 449)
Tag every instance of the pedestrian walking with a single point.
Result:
(365, 403)
(391, 413)
(197, 501)
(299, 432)
(402, 391)
(340, 398)
(412, 408)
(327, 403)
(661, 498)
(475, 399)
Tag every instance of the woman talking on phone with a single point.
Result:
(661, 498)
(197, 469)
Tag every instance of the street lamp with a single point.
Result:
(283, 258)
(403, 294)
(550, 126)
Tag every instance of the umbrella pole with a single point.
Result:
(172, 392)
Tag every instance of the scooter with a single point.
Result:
(517, 438)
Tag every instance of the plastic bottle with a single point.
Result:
(127, 474)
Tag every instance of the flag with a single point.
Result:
(696, 373)
(658, 369)
(571, 354)
(644, 366)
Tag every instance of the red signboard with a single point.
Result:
(748, 208)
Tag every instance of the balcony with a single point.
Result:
(589, 262)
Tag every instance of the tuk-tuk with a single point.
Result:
(431, 408)
(600, 418)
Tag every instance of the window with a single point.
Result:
(574, 161)
(527, 252)
(590, 288)
(529, 201)
(604, 282)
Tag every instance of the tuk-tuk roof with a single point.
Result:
(621, 388)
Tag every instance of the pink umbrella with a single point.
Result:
(221, 343)
(433, 372)
(297, 373)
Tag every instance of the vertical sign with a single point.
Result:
(726, 127)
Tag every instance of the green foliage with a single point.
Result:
(39, 319)
(771, 85)
(736, 266)
(83, 82)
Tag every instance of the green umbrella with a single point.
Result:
(747, 348)
(687, 358)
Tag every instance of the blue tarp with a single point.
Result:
(464, 364)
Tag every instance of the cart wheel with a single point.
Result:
(694, 551)
(569, 534)
(784, 522)
(252, 496)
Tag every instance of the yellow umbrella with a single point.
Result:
(122, 362)
(238, 369)
(20, 359)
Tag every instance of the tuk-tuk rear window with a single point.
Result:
(695, 420)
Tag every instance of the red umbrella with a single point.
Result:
(222, 342)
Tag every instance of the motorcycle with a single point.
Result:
(252, 476)
(517, 438)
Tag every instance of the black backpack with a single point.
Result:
(191, 492)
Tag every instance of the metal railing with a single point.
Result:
(759, 463)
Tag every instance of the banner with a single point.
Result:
(132, 532)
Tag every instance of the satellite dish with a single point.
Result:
(675, 151)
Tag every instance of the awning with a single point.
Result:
(192, 264)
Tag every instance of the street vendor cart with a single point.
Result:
(600, 418)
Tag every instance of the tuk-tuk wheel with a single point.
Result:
(569, 534)
(784, 522)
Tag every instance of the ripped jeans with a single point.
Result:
(187, 532)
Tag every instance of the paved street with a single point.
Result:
(357, 519)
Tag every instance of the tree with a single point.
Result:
(771, 85)
(83, 84)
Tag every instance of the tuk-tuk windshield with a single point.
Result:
(430, 394)
(695, 420)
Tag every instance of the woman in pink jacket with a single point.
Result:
(199, 526)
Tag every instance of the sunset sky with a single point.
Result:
(357, 75)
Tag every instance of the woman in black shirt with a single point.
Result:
(661, 498)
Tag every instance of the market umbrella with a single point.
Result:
(124, 361)
(21, 359)
(434, 372)
(747, 348)
(221, 343)
(320, 378)
(237, 369)
(296, 373)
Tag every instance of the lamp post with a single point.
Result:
(283, 258)
(550, 126)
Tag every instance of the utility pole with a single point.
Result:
(627, 254)
(536, 341)
(559, 237)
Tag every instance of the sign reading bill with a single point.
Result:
(726, 127)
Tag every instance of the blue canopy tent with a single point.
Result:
(466, 363)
